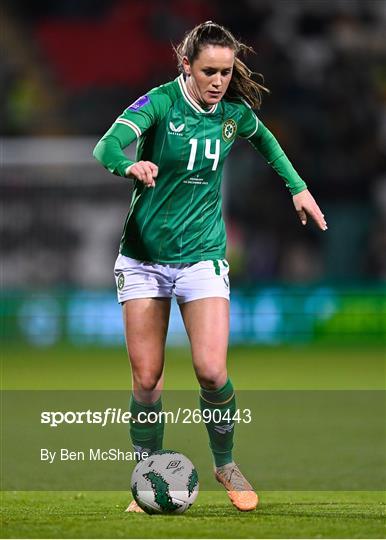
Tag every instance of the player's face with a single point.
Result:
(210, 74)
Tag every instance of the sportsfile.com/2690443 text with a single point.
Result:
(113, 415)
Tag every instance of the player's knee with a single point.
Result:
(147, 382)
(212, 378)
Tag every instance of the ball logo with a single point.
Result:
(165, 483)
(173, 464)
(229, 129)
(121, 281)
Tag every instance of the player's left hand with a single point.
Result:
(305, 205)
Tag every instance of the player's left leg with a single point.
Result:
(207, 324)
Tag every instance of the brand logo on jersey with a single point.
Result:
(141, 102)
(176, 130)
(229, 129)
(120, 281)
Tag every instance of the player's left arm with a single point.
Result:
(305, 205)
(265, 142)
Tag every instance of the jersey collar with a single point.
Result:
(190, 101)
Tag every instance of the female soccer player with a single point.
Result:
(174, 240)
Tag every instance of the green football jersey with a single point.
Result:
(180, 220)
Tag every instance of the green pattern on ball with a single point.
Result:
(192, 481)
(134, 491)
(161, 492)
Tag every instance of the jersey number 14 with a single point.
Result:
(214, 156)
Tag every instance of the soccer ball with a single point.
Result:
(165, 483)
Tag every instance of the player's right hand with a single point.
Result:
(144, 171)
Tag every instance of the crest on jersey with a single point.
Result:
(229, 129)
(141, 102)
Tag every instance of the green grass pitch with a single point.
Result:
(284, 514)
(279, 515)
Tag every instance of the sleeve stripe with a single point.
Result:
(254, 131)
(133, 126)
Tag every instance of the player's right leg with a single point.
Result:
(146, 322)
(144, 290)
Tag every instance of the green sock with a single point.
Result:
(221, 425)
(147, 437)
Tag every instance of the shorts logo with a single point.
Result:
(120, 281)
(141, 102)
(229, 129)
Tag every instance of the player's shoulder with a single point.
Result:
(242, 114)
(167, 92)
(155, 103)
(237, 105)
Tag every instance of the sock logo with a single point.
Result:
(225, 428)
(142, 450)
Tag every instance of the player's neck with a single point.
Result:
(194, 94)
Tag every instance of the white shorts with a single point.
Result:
(141, 279)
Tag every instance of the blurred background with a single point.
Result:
(70, 67)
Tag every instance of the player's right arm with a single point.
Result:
(127, 128)
(145, 171)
